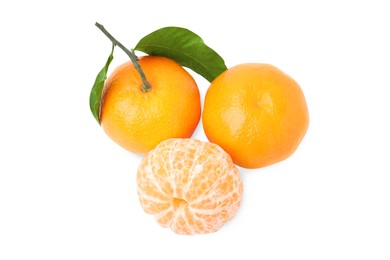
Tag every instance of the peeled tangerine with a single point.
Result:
(190, 186)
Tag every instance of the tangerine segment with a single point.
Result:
(190, 186)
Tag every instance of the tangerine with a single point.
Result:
(190, 186)
(257, 113)
(138, 120)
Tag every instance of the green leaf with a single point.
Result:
(184, 47)
(96, 91)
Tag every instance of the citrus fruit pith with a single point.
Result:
(256, 113)
(190, 186)
(139, 120)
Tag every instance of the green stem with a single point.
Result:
(146, 86)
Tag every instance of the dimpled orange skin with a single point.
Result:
(139, 120)
(257, 113)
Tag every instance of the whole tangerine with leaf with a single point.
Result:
(257, 113)
(152, 98)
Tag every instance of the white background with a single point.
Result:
(68, 192)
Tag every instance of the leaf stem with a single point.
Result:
(146, 86)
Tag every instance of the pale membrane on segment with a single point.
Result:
(190, 186)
